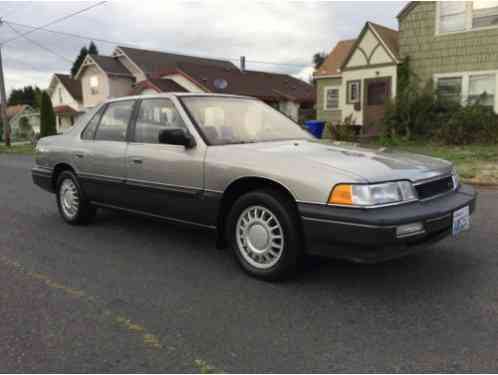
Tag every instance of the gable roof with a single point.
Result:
(153, 61)
(333, 62)
(73, 86)
(111, 65)
(13, 110)
(388, 37)
(262, 85)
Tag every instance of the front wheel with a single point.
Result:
(264, 233)
(71, 201)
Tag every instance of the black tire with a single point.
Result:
(283, 209)
(85, 211)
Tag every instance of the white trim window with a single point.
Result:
(353, 90)
(452, 16)
(459, 16)
(469, 87)
(482, 89)
(331, 98)
(94, 85)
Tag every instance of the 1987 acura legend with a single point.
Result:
(235, 165)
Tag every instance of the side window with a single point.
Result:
(115, 121)
(89, 131)
(155, 115)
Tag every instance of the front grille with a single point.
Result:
(436, 187)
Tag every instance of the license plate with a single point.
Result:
(461, 220)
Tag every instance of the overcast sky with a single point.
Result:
(271, 31)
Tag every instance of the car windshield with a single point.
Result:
(226, 120)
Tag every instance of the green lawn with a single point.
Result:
(476, 164)
(24, 149)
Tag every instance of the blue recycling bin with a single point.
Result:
(315, 127)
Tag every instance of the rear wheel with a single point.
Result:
(264, 233)
(71, 200)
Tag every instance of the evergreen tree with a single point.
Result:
(26, 95)
(92, 50)
(79, 60)
(47, 117)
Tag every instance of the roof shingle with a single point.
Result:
(333, 62)
(152, 62)
(73, 86)
(111, 65)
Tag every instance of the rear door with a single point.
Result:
(102, 159)
(164, 179)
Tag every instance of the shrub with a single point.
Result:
(347, 131)
(473, 123)
(426, 114)
(47, 117)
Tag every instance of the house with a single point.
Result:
(453, 45)
(24, 120)
(139, 72)
(357, 78)
(66, 96)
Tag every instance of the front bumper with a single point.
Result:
(369, 235)
(43, 178)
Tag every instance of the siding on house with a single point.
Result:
(89, 99)
(330, 116)
(119, 86)
(67, 99)
(430, 54)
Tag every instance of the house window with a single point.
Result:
(353, 88)
(484, 14)
(456, 16)
(94, 85)
(452, 16)
(469, 88)
(60, 95)
(331, 98)
(450, 88)
(482, 89)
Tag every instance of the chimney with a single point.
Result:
(242, 64)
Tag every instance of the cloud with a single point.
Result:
(278, 31)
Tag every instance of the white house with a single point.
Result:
(65, 94)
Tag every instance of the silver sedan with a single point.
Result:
(236, 166)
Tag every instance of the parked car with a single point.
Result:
(237, 166)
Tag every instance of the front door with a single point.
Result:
(163, 179)
(377, 92)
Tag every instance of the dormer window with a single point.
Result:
(94, 85)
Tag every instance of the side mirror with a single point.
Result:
(176, 136)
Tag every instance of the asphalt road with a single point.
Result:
(130, 294)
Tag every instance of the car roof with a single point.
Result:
(176, 94)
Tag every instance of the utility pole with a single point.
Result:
(3, 102)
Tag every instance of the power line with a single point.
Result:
(116, 43)
(57, 20)
(37, 44)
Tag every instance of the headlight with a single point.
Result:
(372, 195)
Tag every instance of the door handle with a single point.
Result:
(79, 155)
(138, 161)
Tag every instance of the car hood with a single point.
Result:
(372, 165)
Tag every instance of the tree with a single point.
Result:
(92, 50)
(26, 95)
(47, 117)
(318, 59)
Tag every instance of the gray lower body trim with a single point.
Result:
(143, 213)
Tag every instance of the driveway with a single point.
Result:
(130, 294)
